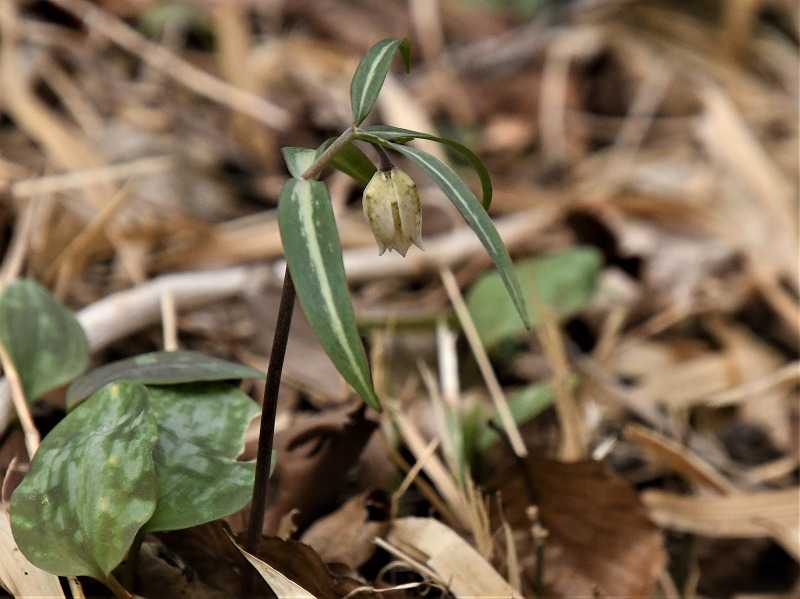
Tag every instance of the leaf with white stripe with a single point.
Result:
(314, 256)
(371, 73)
(467, 204)
(402, 136)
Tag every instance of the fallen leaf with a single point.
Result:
(346, 536)
(600, 542)
(466, 573)
(313, 459)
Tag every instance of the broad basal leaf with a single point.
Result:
(349, 159)
(402, 136)
(91, 486)
(160, 368)
(45, 341)
(200, 434)
(314, 256)
(371, 73)
(467, 204)
(565, 282)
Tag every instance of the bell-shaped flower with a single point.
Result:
(391, 205)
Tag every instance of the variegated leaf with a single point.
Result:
(371, 73)
(314, 256)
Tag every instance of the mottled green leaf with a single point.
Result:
(563, 281)
(467, 204)
(314, 255)
(91, 486)
(371, 73)
(201, 432)
(160, 368)
(45, 341)
(402, 136)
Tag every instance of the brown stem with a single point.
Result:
(266, 434)
(385, 162)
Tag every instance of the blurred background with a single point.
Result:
(644, 156)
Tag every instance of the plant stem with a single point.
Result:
(120, 592)
(266, 432)
(386, 162)
(132, 565)
(269, 409)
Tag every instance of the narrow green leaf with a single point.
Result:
(160, 368)
(350, 160)
(92, 485)
(564, 281)
(298, 160)
(402, 136)
(371, 73)
(314, 255)
(201, 431)
(45, 341)
(467, 204)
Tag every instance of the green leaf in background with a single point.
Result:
(371, 73)
(467, 204)
(314, 256)
(349, 159)
(45, 341)
(564, 281)
(160, 368)
(402, 136)
(201, 431)
(91, 486)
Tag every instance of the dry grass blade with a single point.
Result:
(160, 58)
(489, 377)
(679, 458)
(752, 515)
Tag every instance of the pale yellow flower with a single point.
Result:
(391, 205)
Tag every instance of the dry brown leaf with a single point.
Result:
(467, 574)
(752, 515)
(600, 541)
(346, 536)
(314, 455)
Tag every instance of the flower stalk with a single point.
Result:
(266, 434)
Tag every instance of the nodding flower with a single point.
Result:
(391, 205)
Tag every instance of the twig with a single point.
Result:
(78, 179)
(411, 475)
(32, 437)
(161, 59)
(496, 392)
(169, 321)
